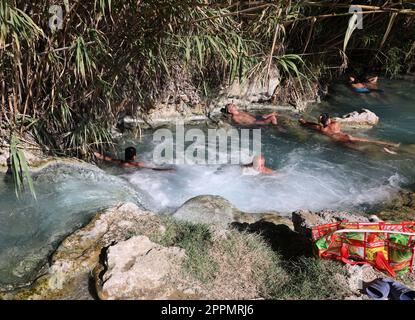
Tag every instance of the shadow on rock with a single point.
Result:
(281, 238)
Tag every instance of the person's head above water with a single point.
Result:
(231, 108)
(324, 119)
(130, 154)
(258, 162)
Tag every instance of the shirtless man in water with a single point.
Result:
(363, 86)
(130, 156)
(245, 118)
(332, 128)
(258, 164)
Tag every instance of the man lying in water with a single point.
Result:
(363, 86)
(332, 128)
(130, 155)
(245, 118)
(258, 165)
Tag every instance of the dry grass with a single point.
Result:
(238, 265)
(246, 268)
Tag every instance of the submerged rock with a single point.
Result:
(138, 268)
(362, 118)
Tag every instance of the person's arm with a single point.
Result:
(145, 166)
(266, 116)
(312, 125)
(372, 80)
(106, 158)
(267, 170)
(162, 169)
(248, 165)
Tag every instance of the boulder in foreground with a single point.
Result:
(141, 269)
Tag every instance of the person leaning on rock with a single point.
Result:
(246, 118)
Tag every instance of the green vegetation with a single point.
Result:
(111, 57)
(314, 279)
(68, 87)
(240, 265)
(19, 167)
(196, 240)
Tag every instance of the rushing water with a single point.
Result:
(67, 197)
(312, 172)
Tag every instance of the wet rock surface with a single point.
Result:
(400, 207)
(362, 118)
(79, 253)
(304, 220)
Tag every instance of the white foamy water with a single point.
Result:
(302, 180)
(312, 172)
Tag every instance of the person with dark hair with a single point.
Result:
(245, 118)
(332, 128)
(130, 157)
(9, 166)
(130, 154)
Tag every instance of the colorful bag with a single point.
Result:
(387, 246)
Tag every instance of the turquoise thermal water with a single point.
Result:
(312, 172)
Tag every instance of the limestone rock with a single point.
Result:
(401, 206)
(207, 209)
(140, 269)
(304, 220)
(253, 90)
(362, 118)
(79, 253)
(215, 210)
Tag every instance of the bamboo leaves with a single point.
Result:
(388, 30)
(75, 82)
(83, 62)
(19, 168)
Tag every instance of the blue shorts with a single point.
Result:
(361, 90)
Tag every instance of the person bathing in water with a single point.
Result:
(245, 118)
(258, 165)
(130, 156)
(332, 128)
(363, 86)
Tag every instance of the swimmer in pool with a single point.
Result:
(130, 160)
(245, 118)
(332, 128)
(258, 165)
